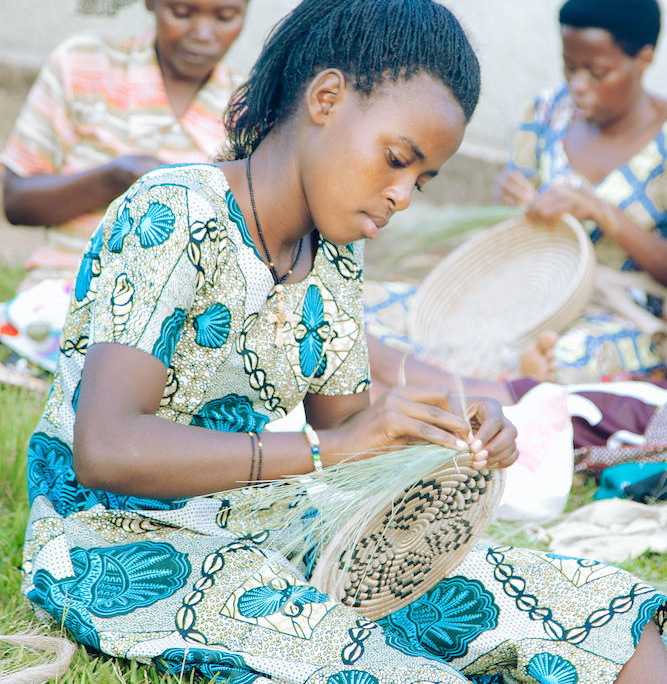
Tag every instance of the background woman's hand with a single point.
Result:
(550, 205)
(514, 189)
(125, 170)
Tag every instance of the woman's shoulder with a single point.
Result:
(97, 52)
(198, 177)
(555, 99)
(549, 112)
(81, 44)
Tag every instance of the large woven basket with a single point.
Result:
(501, 288)
(412, 543)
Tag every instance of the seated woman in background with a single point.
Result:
(595, 148)
(104, 111)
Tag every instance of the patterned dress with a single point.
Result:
(599, 344)
(195, 583)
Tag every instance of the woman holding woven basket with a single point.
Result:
(211, 300)
(594, 148)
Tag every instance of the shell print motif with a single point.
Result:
(215, 665)
(121, 303)
(263, 601)
(352, 677)
(90, 266)
(213, 326)
(338, 256)
(170, 333)
(552, 669)
(156, 225)
(120, 230)
(311, 333)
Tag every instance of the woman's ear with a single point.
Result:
(644, 58)
(325, 91)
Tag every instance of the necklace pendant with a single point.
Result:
(280, 317)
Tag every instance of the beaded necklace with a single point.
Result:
(272, 267)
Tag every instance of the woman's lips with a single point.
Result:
(372, 224)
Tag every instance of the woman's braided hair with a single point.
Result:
(368, 40)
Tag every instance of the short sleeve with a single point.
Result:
(524, 155)
(43, 130)
(342, 366)
(142, 278)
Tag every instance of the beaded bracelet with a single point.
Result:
(252, 457)
(314, 442)
(260, 450)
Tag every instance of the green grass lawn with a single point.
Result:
(19, 413)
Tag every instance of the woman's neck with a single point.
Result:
(646, 114)
(595, 151)
(180, 91)
(279, 194)
(279, 200)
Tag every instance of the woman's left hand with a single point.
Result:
(492, 441)
(550, 205)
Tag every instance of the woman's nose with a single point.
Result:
(203, 29)
(579, 81)
(400, 195)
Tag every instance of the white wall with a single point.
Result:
(517, 42)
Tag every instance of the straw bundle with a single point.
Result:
(388, 528)
(62, 650)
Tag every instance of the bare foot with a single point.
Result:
(537, 360)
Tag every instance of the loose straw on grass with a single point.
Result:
(62, 649)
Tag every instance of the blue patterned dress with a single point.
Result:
(599, 344)
(194, 584)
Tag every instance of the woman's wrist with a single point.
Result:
(330, 447)
(606, 218)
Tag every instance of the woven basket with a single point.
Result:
(502, 288)
(413, 542)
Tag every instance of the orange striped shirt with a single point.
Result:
(98, 98)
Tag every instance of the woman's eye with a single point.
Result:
(599, 74)
(419, 187)
(226, 17)
(180, 12)
(395, 161)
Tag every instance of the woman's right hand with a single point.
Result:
(403, 415)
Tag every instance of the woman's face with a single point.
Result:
(371, 154)
(193, 35)
(604, 81)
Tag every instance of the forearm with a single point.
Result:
(386, 363)
(153, 457)
(648, 249)
(49, 200)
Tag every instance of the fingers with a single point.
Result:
(415, 413)
(548, 207)
(410, 430)
(500, 452)
(494, 442)
(514, 189)
(433, 395)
